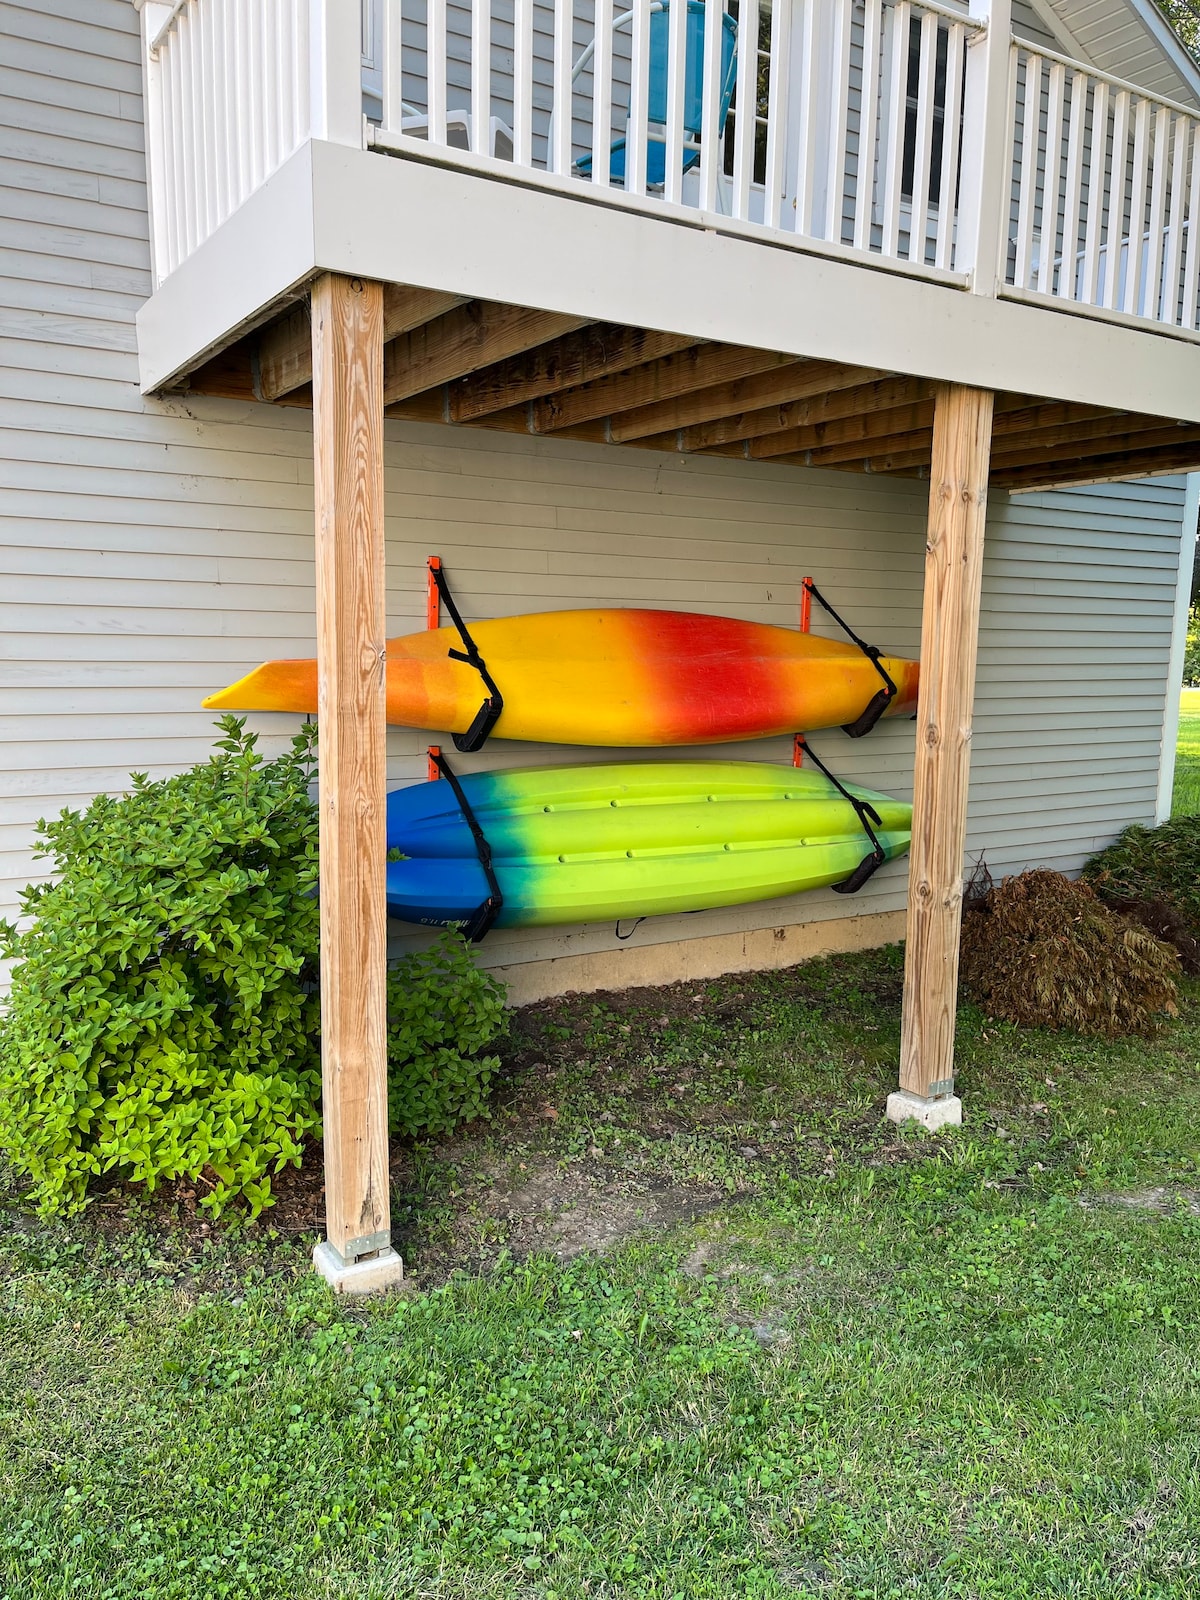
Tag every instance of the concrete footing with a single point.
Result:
(371, 1276)
(945, 1111)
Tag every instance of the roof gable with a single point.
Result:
(1127, 38)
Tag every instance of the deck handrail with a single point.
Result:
(1124, 85)
(1113, 232)
(894, 132)
(169, 22)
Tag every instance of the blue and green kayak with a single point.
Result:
(599, 843)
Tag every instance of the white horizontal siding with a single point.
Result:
(151, 551)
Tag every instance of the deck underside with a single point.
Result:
(477, 363)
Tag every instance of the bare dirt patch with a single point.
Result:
(568, 1213)
(1160, 1201)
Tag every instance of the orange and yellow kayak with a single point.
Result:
(611, 677)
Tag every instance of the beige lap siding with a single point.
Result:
(153, 550)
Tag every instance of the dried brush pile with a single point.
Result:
(1153, 876)
(1043, 951)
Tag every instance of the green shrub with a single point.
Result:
(1191, 655)
(1042, 951)
(163, 1021)
(442, 1012)
(1153, 864)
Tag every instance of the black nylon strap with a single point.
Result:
(883, 697)
(482, 919)
(489, 712)
(866, 814)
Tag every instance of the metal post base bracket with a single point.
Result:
(371, 1275)
(943, 1112)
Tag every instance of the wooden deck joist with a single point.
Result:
(519, 370)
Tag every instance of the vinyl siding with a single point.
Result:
(153, 550)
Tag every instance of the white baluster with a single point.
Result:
(523, 78)
(677, 16)
(809, 102)
(1158, 207)
(943, 255)
(1170, 300)
(1051, 175)
(1116, 200)
(747, 106)
(560, 153)
(393, 65)
(1030, 163)
(926, 71)
(602, 72)
(1097, 188)
(839, 110)
(1132, 298)
(1068, 272)
(1191, 267)
(168, 77)
(897, 115)
(639, 81)
(710, 104)
(778, 101)
(864, 188)
(435, 58)
(481, 77)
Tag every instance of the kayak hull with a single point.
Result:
(611, 677)
(600, 843)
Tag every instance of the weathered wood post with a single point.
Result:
(962, 430)
(347, 368)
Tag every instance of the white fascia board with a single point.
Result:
(251, 263)
(1168, 41)
(406, 221)
(1183, 594)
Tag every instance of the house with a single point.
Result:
(528, 287)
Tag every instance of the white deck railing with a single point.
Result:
(1106, 187)
(870, 127)
(835, 120)
(228, 93)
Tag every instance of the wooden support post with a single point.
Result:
(347, 361)
(962, 430)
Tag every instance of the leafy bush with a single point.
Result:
(163, 1021)
(1153, 865)
(1043, 951)
(442, 1012)
(1191, 655)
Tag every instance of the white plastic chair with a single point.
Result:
(458, 130)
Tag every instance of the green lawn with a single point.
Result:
(843, 1363)
(1186, 798)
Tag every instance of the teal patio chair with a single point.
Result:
(693, 93)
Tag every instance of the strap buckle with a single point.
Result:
(866, 814)
(882, 698)
(483, 918)
(489, 713)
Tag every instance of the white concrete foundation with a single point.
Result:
(372, 1276)
(943, 1112)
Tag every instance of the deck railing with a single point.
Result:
(228, 103)
(870, 128)
(837, 121)
(1106, 193)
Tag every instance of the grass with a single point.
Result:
(1186, 797)
(870, 1364)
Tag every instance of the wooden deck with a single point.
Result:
(485, 364)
